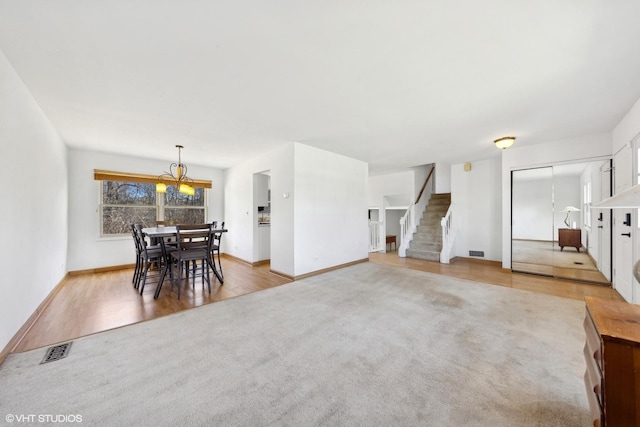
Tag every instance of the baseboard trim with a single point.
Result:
(283, 275)
(26, 327)
(326, 270)
(102, 269)
(223, 255)
(478, 260)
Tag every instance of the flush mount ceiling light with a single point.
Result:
(177, 176)
(505, 142)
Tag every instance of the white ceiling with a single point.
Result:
(396, 83)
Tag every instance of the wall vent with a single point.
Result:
(476, 253)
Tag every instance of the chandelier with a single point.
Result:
(176, 176)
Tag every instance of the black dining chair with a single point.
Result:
(149, 255)
(192, 246)
(214, 248)
(139, 262)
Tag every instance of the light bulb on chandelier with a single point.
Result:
(176, 176)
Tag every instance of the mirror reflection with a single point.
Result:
(553, 231)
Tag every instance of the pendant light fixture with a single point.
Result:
(176, 176)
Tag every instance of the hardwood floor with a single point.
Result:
(491, 272)
(91, 303)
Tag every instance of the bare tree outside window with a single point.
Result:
(182, 209)
(124, 203)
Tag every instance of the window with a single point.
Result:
(131, 198)
(124, 203)
(178, 208)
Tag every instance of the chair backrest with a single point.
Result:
(217, 236)
(136, 240)
(141, 240)
(192, 236)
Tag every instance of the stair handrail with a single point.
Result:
(448, 235)
(426, 181)
(409, 222)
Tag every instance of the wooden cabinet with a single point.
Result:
(570, 237)
(612, 355)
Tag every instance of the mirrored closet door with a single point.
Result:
(553, 231)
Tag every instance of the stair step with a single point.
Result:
(427, 240)
(429, 229)
(441, 196)
(432, 222)
(427, 237)
(426, 255)
(425, 246)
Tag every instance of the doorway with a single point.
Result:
(553, 231)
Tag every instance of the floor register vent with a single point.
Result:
(476, 253)
(57, 352)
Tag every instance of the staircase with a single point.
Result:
(427, 240)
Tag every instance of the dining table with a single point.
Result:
(162, 232)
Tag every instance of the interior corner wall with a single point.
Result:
(442, 178)
(420, 174)
(584, 148)
(627, 129)
(476, 196)
(33, 257)
(330, 221)
(393, 184)
(239, 208)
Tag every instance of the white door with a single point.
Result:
(623, 248)
(603, 221)
(636, 218)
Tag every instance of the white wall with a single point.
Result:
(400, 184)
(33, 256)
(585, 148)
(533, 208)
(318, 209)
(476, 196)
(330, 209)
(86, 249)
(239, 208)
(443, 183)
(567, 191)
(627, 129)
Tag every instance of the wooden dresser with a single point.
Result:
(570, 237)
(612, 354)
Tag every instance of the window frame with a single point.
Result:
(160, 202)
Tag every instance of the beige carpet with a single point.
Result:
(366, 345)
